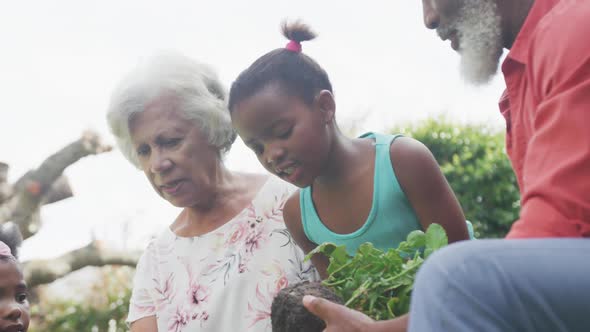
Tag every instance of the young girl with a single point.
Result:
(14, 306)
(376, 188)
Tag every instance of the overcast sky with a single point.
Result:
(61, 59)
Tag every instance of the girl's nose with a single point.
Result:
(14, 312)
(275, 155)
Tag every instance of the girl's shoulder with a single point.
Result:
(401, 147)
(408, 150)
(292, 207)
(381, 138)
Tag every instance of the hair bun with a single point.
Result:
(297, 31)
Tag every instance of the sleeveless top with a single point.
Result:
(391, 217)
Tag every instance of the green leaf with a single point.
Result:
(375, 282)
(436, 237)
(338, 253)
(416, 239)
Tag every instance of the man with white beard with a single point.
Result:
(539, 280)
(474, 30)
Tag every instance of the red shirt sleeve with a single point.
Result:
(556, 168)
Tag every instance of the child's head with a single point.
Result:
(14, 305)
(283, 109)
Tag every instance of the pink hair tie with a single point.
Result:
(293, 46)
(5, 250)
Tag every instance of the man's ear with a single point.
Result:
(326, 104)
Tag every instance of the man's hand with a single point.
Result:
(338, 318)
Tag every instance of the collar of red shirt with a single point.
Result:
(520, 48)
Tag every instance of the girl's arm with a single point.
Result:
(292, 217)
(426, 188)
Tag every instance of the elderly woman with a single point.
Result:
(223, 259)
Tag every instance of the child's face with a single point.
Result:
(291, 139)
(14, 305)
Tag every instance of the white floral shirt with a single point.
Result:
(224, 280)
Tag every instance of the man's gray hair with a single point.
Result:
(196, 88)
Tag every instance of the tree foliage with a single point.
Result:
(474, 161)
(102, 309)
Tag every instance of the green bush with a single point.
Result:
(474, 161)
(104, 311)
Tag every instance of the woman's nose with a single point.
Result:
(160, 163)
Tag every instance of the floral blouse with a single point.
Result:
(224, 280)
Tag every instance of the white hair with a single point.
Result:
(481, 41)
(478, 25)
(201, 96)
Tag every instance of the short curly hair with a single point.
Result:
(195, 85)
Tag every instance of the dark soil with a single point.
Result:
(288, 313)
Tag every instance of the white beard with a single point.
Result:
(478, 27)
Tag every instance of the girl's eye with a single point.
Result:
(22, 297)
(285, 133)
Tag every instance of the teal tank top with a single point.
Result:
(391, 217)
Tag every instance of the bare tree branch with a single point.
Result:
(39, 272)
(59, 190)
(44, 185)
(20, 203)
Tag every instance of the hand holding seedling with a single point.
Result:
(337, 317)
(377, 284)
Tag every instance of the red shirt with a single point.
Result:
(547, 109)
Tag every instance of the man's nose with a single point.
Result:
(431, 17)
